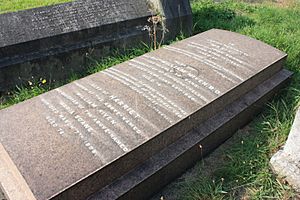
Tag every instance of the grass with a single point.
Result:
(15, 5)
(242, 170)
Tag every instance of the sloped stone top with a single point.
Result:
(101, 126)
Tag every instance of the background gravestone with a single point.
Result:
(54, 41)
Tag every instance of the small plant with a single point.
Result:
(156, 27)
(155, 21)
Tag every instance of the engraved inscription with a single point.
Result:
(223, 72)
(94, 114)
(153, 92)
(67, 17)
(222, 54)
(96, 123)
(171, 66)
(53, 121)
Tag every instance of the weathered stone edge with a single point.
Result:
(284, 163)
(286, 169)
(12, 182)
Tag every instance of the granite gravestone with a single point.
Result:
(54, 41)
(74, 140)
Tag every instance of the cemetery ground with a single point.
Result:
(15, 5)
(240, 168)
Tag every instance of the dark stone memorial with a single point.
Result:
(126, 131)
(54, 41)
